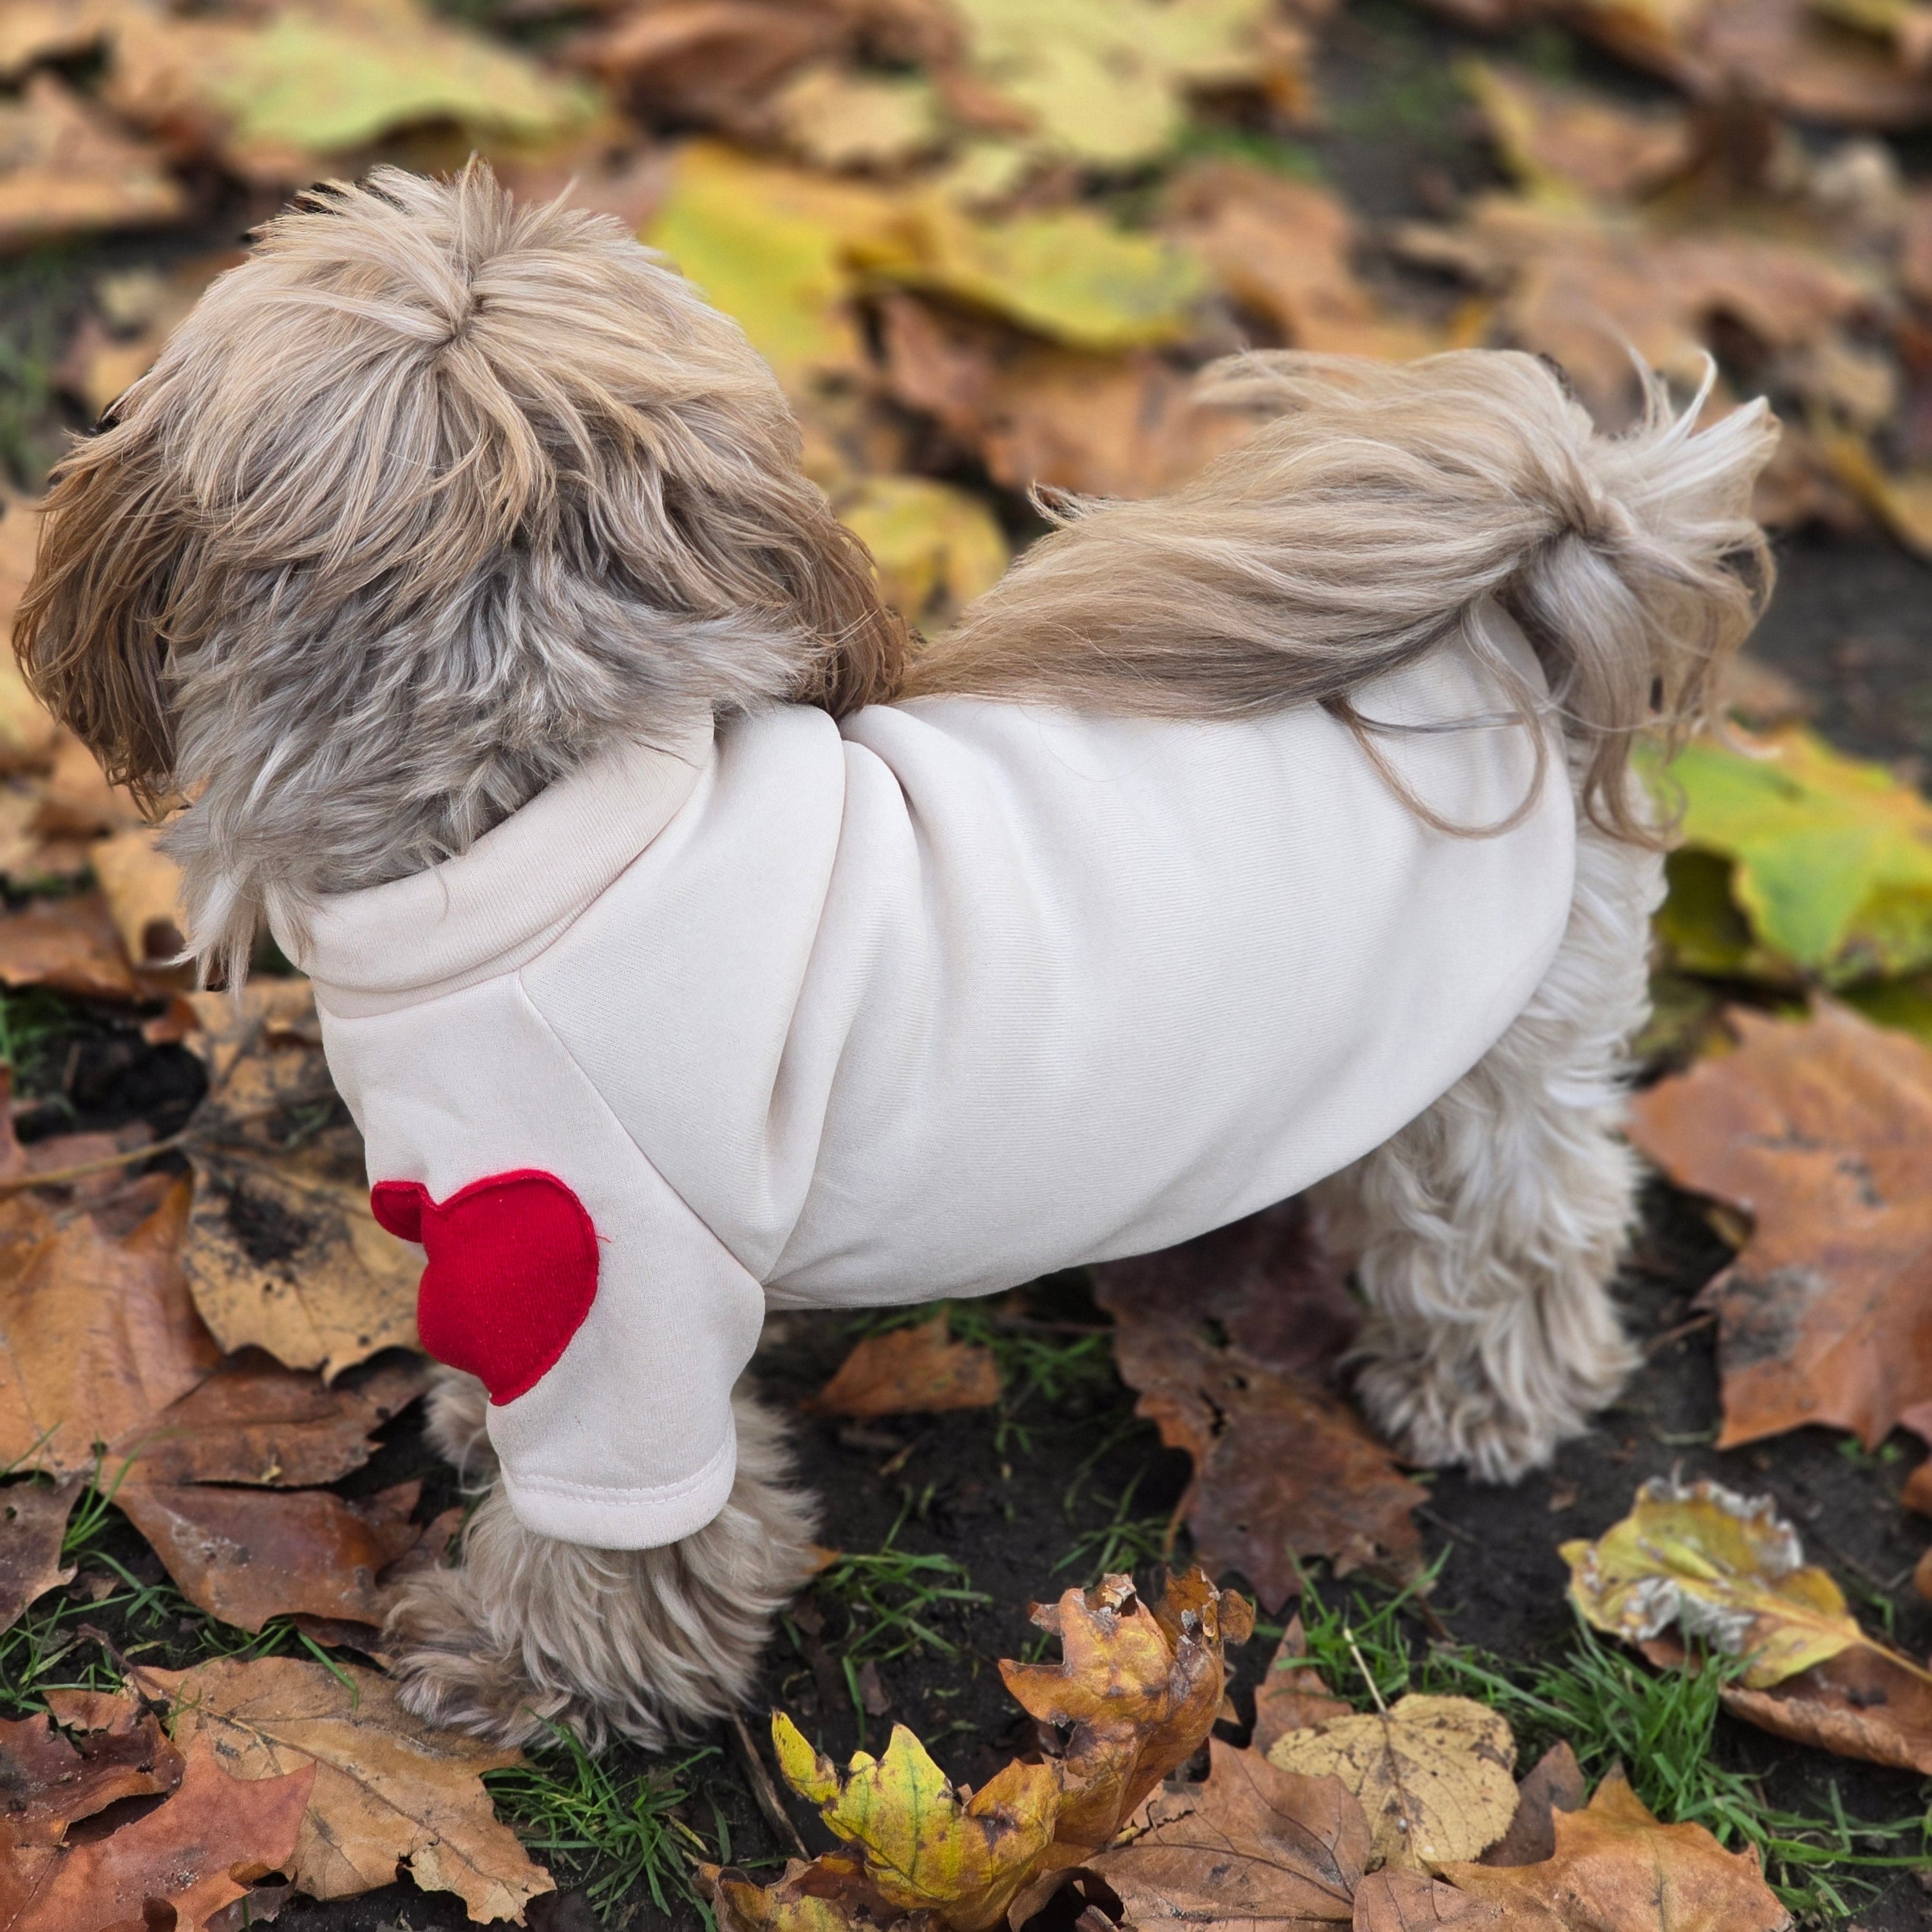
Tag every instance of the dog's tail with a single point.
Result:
(1372, 518)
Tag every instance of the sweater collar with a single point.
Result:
(502, 901)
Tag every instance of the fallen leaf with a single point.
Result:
(1721, 1567)
(1253, 1845)
(926, 1846)
(27, 728)
(245, 1555)
(1035, 413)
(65, 170)
(143, 887)
(1562, 142)
(916, 1371)
(1140, 1687)
(32, 31)
(1105, 81)
(199, 1850)
(91, 1749)
(1818, 1130)
(1434, 1774)
(1862, 1703)
(1616, 1869)
(283, 1252)
(1284, 250)
(253, 1421)
(69, 945)
(387, 1787)
(98, 1334)
(1830, 858)
(935, 547)
(1555, 1783)
(1292, 1695)
(835, 118)
(33, 1521)
(1284, 1469)
(278, 93)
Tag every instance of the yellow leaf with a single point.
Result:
(936, 548)
(1723, 1566)
(836, 118)
(1831, 858)
(926, 1846)
(1433, 1774)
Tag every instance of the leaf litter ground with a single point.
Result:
(949, 1524)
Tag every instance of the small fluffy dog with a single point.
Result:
(687, 946)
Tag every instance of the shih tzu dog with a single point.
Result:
(688, 946)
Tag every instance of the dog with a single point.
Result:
(689, 941)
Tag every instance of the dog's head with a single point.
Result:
(432, 499)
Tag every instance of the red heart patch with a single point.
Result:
(512, 1272)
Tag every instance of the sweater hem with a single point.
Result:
(616, 1516)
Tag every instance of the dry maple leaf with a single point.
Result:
(1434, 1774)
(961, 1855)
(1253, 1845)
(1862, 1703)
(283, 1252)
(1555, 1783)
(1283, 1468)
(33, 1522)
(245, 1555)
(1616, 1869)
(69, 168)
(1138, 1686)
(1821, 1131)
(198, 1851)
(92, 1750)
(70, 946)
(1722, 1567)
(915, 1371)
(388, 1788)
(1292, 1695)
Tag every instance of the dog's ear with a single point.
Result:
(92, 632)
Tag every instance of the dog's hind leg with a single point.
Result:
(528, 1632)
(1485, 1234)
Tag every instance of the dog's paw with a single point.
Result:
(453, 1671)
(1455, 1410)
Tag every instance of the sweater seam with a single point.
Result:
(562, 1046)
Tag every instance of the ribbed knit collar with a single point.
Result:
(502, 901)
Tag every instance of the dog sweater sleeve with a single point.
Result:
(606, 1320)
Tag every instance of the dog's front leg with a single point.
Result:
(529, 1633)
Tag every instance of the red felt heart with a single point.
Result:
(512, 1272)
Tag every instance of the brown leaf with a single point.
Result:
(1107, 425)
(1283, 1468)
(187, 1852)
(1617, 1870)
(283, 1252)
(254, 1421)
(33, 1520)
(141, 886)
(93, 1750)
(32, 31)
(1291, 1695)
(97, 1333)
(1140, 1698)
(1556, 1784)
(1397, 1899)
(1821, 1130)
(388, 1788)
(69, 945)
(916, 1371)
(245, 1555)
(1556, 138)
(65, 169)
(1251, 1846)
(1284, 250)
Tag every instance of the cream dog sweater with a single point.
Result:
(928, 1003)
